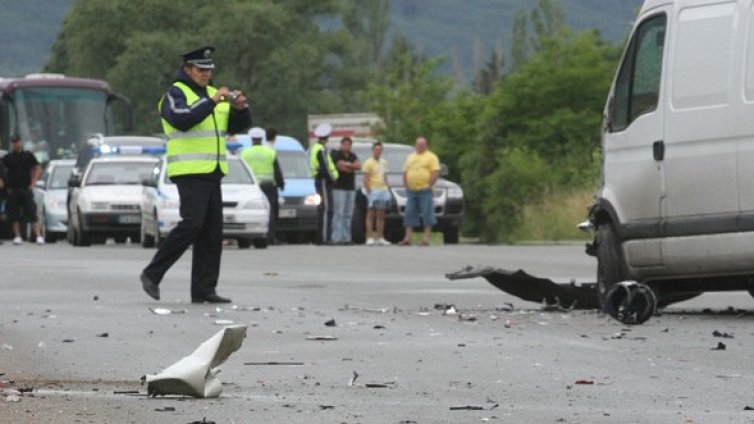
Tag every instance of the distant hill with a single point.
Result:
(452, 28)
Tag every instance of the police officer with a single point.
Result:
(325, 174)
(263, 161)
(195, 118)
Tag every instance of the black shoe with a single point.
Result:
(150, 287)
(210, 298)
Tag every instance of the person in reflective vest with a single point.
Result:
(325, 173)
(195, 118)
(263, 161)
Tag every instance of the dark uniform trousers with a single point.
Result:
(201, 225)
(271, 192)
(324, 211)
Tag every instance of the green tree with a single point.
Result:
(548, 111)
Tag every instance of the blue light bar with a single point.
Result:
(130, 150)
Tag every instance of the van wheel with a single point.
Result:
(450, 236)
(260, 243)
(243, 243)
(147, 240)
(610, 266)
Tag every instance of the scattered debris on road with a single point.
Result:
(720, 346)
(385, 385)
(534, 289)
(166, 311)
(722, 335)
(103, 335)
(331, 323)
(489, 406)
(196, 375)
(274, 363)
(322, 338)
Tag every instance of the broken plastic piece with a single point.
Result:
(165, 311)
(195, 375)
(630, 302)
(720, 346)
(330, 323)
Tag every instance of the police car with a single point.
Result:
(246, 211)
(107, 200)
(50, 196)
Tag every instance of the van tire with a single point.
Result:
(610, 264)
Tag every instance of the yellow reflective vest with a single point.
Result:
(314, 162)
(261, 160)
(202, 148)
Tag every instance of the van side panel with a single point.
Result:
(745, 119)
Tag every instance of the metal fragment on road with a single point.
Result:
(196, 375)
(720, 346)
(322, 338)
(488, 407)
(274, 363)
(166, 311)
(331, 323)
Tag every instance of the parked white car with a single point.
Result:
(107, 201)
(245, 208)
(50, 196)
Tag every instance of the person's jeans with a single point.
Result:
(420, 209)
(343, 201)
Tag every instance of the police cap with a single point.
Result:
(323, 130)
(201, 58)
(256, 133)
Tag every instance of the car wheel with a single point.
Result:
(70, 235)
(147, 240)
(450, 235)
(244, 243)
(260, 243)
(610, 265)
(82, 237)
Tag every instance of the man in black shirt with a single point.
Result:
(343, 192)
(23, 172)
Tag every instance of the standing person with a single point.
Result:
(23, 173)
(378, 196)
(263, 161)
(195, 118)
(3, 183)
(420, 172)
(325, 174)
(343, 193)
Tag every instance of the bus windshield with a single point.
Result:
(53, 121)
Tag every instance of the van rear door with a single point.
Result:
(633, 143)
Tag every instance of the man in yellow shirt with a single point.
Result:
(420, 172)
(378, 197)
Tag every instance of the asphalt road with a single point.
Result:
(517, 362)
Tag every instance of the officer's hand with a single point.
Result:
(241, 101)
(221, 94)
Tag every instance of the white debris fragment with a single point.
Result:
(165, 311)
(196, 374)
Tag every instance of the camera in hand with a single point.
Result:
(231, 97)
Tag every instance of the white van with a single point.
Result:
(676, 205)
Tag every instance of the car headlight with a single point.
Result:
(455, 193)
(256, 204)
(56, 203)
(313, 200)
(100, 206)
(169, 203)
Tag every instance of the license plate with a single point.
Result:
(287, 213)
(129, 219)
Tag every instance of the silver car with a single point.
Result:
(50, 195)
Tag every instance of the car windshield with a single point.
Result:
(60, 176)
(108, 173)
(394, 155)
(237, 174)
(293, 164)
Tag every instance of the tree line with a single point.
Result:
(528, 123)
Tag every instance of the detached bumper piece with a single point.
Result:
(195, 375)
(534, 289)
